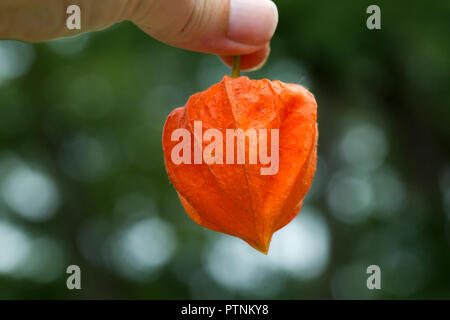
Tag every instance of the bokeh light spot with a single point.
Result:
(85, 157)
(364, 147)
(301, 249)
(45, 263)
(16, 59)
(30, 193)
(69, 46)
(14, 247)
(350, 197)
(142, 248)
(390, 192)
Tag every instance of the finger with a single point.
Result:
(36, 21)
(224, 27)
(249, 62)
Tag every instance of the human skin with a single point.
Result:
(222, 27)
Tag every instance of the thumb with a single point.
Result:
(223, 27)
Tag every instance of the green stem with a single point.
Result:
(236, 71)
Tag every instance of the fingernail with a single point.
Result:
(252, 21)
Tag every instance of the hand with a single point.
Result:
(222, 27)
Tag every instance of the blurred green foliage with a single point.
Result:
(82, 178)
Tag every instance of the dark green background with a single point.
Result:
(82, 178)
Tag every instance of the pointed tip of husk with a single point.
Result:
(263, 249)
(261, 246)
(266, 251)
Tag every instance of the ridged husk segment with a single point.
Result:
(235, 198)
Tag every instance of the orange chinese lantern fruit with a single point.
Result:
(235, 198)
